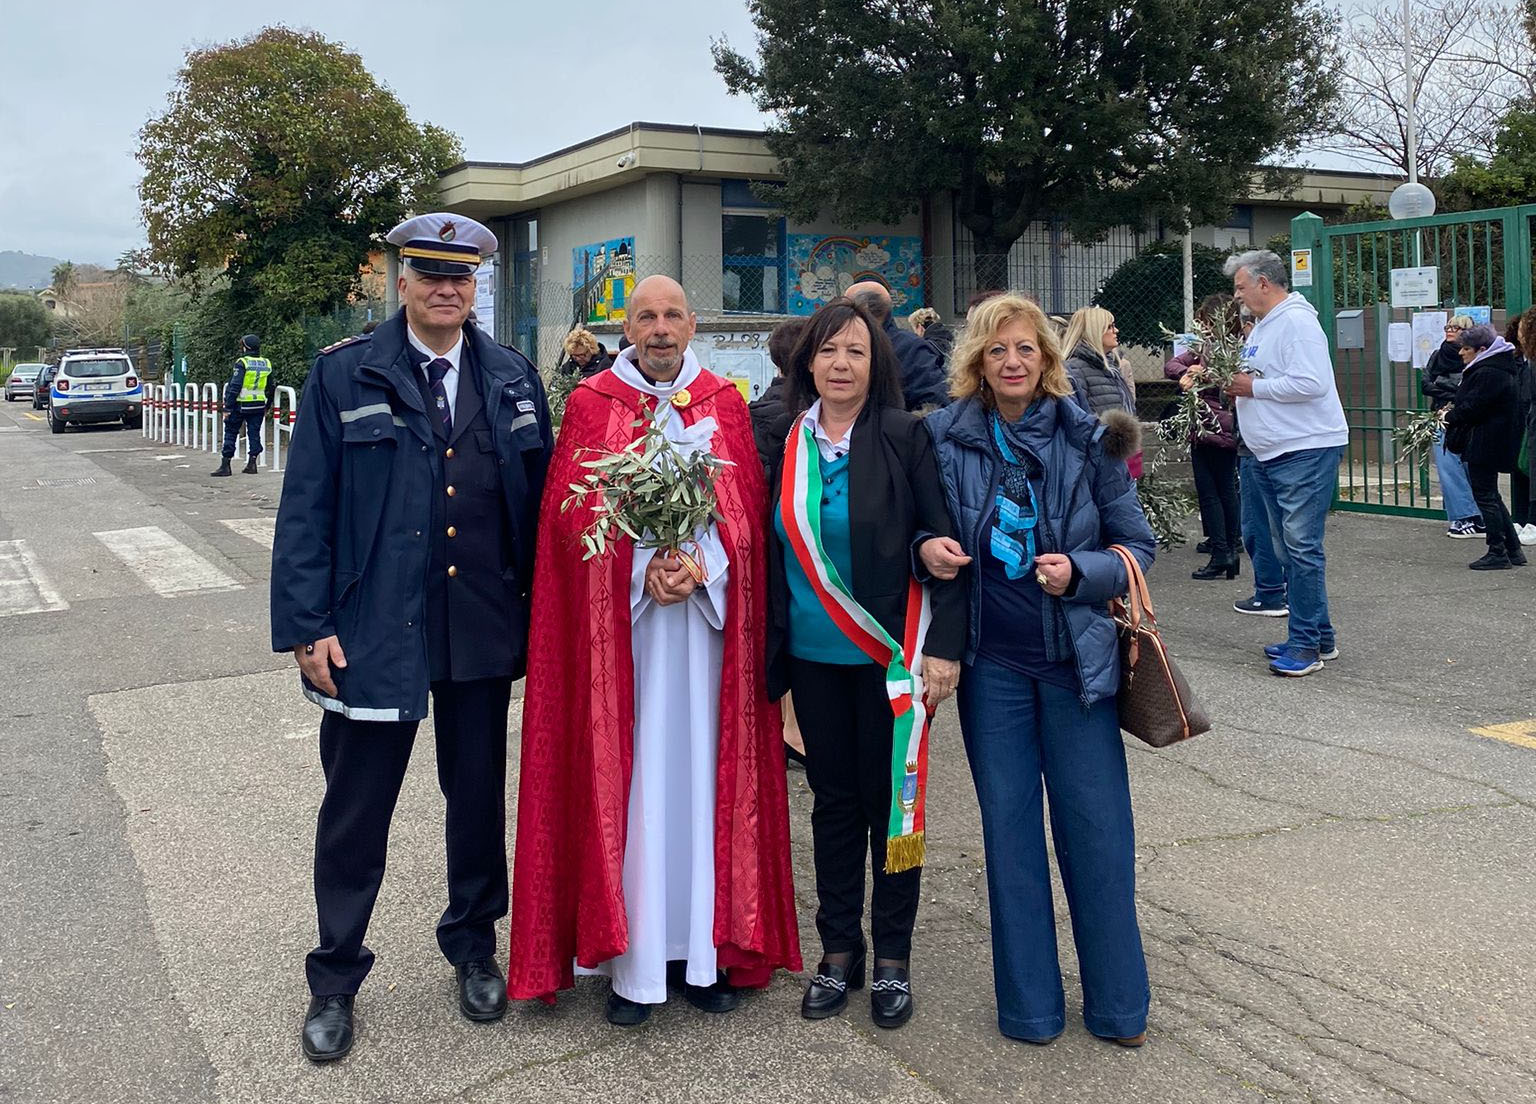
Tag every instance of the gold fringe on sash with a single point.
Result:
(904, 853)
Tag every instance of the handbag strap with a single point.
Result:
(1139, 598)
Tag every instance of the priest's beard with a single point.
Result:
(660, 364)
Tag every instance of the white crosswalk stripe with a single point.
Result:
(261, 530)
(23, 586)
(166, 565)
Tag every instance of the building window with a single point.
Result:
(752, 262)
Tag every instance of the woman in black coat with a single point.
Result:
(844, 537)
(1483, 426)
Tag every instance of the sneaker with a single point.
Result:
(1527, 534)
(1492, 561)
(1329, 651)
(1464, 530)
(1294, 662)
(1262, 609)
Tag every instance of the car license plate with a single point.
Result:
(98, 387)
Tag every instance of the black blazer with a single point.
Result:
(895, 501)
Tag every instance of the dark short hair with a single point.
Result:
(821, 327)
(1477, 337)
(781, 342)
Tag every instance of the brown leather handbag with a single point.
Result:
(1155, 702)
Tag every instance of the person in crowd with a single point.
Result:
(652, 819)
(927, 324)
(854, 491)
(1038, 491)
(401, 565)
(1438, 381)
(1484, 427)
(1289, 413)
(1213, 446)
(922, 365)
(1519, 477)
(246, 399)
(770, 412)
(771, 407)
(1099, 381)
(1269, 591)
(584, 354)
(1527, 342)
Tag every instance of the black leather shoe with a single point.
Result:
(1216, 569)
(250, 466)
(327, 1031)
(1201, 549)
(623, 1012)
(719, 997)
(827, 995)
(890, 996)
(482, 990)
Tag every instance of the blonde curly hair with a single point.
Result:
(922, 316)
(580, 339)
(982, 326)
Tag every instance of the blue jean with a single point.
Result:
(1454, 488)
(1297, 489)
(1017, 729)
(1268, 571)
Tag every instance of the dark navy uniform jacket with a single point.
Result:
(361, 550)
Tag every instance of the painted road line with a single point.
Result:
(23, 586)
(163, 562)
(34, 417)
(1519, 733)
(261, 530)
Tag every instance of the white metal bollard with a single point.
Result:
(212, 402)
(285, 411)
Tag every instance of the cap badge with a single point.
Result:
(447, 232)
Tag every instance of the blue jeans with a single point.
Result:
(1017, 729)
(1297, 490)
(1268, 571)
(1454, 488)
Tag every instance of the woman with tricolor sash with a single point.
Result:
(1038, 490)
(865, 651)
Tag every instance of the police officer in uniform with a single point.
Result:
(245, 403)
(403, 563)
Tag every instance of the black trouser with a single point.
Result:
(845, 718)
(364, 764)
(1520, 498)
(1216, 487)
(1484, 481)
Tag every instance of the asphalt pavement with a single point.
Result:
(1335, 884)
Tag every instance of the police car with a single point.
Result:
(95, 385)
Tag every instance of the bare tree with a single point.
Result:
(1462, 84)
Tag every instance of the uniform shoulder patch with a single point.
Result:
(344, 342)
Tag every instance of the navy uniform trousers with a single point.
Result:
(470, 640)
(252, 420)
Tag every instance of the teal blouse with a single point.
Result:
(812, 634)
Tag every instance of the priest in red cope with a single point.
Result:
(652, 821)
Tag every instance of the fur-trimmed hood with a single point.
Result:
(1122, 434)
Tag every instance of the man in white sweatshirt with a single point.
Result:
(1289, 415)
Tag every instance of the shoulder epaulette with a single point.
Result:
(344, 342)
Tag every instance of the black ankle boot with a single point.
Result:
(827, 995)
(250, 467)
(1217, 569)
(890, 996)
(223, 468)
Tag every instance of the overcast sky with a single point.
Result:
(512, 79)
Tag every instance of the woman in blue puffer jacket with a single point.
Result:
(1038, 490)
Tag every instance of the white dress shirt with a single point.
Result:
(829, 449)
(451, 377)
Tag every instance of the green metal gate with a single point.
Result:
(1484, 260)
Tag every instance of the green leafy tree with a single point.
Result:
(24, 324)
(1506, 179)
(278, 163)
(1147, 291)
(1104, 113)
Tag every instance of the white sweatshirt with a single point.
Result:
(1295, 403)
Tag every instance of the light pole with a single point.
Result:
(1411, 200)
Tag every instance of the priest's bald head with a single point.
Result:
(659, 322)
(873, 296)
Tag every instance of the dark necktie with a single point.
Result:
(436, 370)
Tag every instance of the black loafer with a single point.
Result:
(623, 1012)
(482, 990)
(827, 995)
(890, 996)
(327, 1033)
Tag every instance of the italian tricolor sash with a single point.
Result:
(800, 504)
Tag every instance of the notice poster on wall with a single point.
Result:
(1416, 287)
(1481, 316)
(603, 275)
(1399, 342)
(1428, 333)
(1301, 268)
(822, 267)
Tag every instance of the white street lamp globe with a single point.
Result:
(1411, 201)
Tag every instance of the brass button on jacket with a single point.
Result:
(448, 455)
(452, 571)
(453, 531)
(451, 491)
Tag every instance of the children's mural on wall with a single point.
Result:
(604, 275)
(821, 268)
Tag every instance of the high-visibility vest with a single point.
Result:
(253, 388)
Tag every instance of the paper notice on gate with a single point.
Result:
(1399, 342)
(1428, 333)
